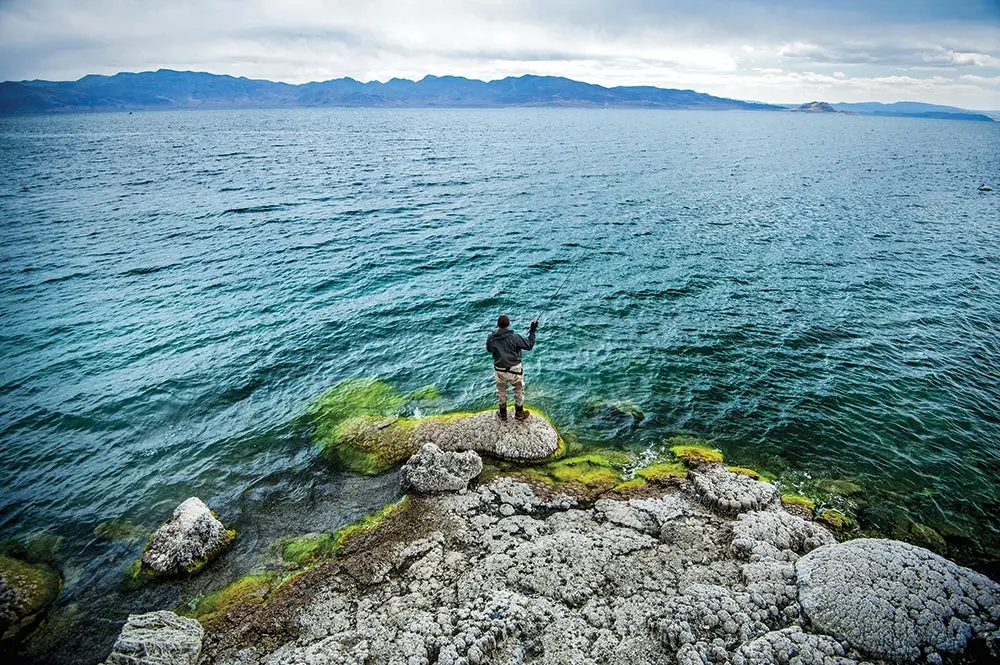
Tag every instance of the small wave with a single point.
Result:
(147, 270)
(252, 209)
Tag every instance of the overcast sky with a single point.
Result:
(945, 52)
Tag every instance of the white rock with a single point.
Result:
(187, 541)
(157, 638)
(434, 470)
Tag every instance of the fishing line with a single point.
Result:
(548, 303)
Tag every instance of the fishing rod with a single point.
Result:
(548, 303)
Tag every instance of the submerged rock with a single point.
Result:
(26, 589)
(434, 470)
(615, 412)
(157, 638)
(187, 541)
(896, 601)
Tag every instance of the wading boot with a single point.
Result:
(502, 412)
(520, 412)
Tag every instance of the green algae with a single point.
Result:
(121, 531)
(599, 469)
(355, 398)
(746, 471)
(834, 519)
(136, 576)
(255, 588)
(31, 588)
(428, 392)
(799, 501)
(660, 471)
(694, 455)
(310, 549)
(371, 444)
(629, 485)
(927, 537)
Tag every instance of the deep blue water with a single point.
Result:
(819, 295)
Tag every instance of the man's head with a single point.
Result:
(503, 321)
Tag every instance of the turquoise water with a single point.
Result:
(818, 295)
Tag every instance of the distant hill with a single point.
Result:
(817, 107)
(912, 110)
(168, 89)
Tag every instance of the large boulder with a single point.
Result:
(187, 541)
(157, 638)
(435, 470)
(896, 601)
(372, 444)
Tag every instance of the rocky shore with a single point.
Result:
(705, 566)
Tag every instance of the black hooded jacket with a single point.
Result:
(505, 345)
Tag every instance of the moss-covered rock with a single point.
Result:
(307, 550)
(746, 471)
(371, 444)
(662, 471)
(798, 501)
(693, 451)
(186, 542)
(595, 470)
(249, 589)
(26, 589)
(834, 519)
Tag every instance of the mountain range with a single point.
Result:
(167, 89)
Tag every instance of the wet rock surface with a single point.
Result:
(186, 541)
(434, 470)
(518, 572)
(157, 638)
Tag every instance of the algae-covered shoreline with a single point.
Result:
(601, 556)
(368, 426)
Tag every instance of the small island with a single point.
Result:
(816, 107)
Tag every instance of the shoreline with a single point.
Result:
(585, 474)
(520, 570)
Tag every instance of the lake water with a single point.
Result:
(818, 295)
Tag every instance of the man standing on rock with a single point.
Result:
(506, 345)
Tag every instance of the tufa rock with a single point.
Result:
(517, 572)
(186, 542)
(756, 532)
(729, 493)
(157, 638)
(896, 601)
(434, 470)
(371, 444)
